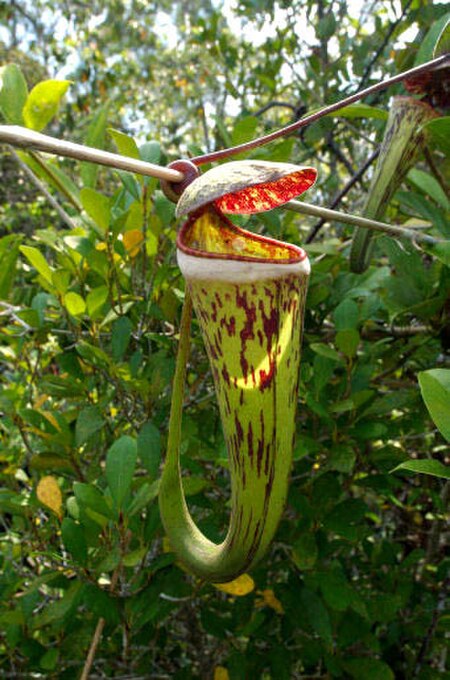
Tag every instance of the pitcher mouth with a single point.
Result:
(209, 234)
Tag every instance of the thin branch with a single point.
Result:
(335, 202)
(22, 137)
(43, 189)
(98, 631)
(274, 104)
(325, 111)
(355, 221)
(379, 51)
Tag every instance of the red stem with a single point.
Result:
(232, 151)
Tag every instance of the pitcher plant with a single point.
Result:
(248, 293)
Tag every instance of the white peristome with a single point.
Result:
(238, 271)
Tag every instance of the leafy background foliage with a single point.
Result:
(354, 585)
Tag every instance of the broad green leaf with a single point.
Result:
(13, 93)
(95, 137)
(244, 130)
(316, 614)
(95, 300)
(120, 465)
(74, 304)
(368, 668)
(74, 539)
(325, 351)
(126, 145)
(149, 448)
(146, 494)
(431, 40)
(35, 257)
(443, 42)
(439, 250)
(305, 552)
(9, 252)
(361, 111)
(89, 421)
(346, 315)
(135, 557)
(326, 26)
(89, 496)
(435, 388)
(347, 341)
(57, 610)
(425, 466)
(42, 103)
(429, 185)
(150, 152)
(48, 171)
(438, 132)
(61, 280)
(97, 206)
(49, 660)
(120, 337)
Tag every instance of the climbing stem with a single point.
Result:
(325, 111)
(179, 380)
(364, 222)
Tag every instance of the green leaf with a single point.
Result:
(316, 614)
(125, 144)
(89, 421)
(74, 304)
(443, 42)
(120, 465)
(95, 137)
(146, 494)
(149, 448)
(9, 252)
(368, 668)
(97, 206)
(88, 496)
(150, 152)
(305, 552)
(57, 610)
(429, 43)
(425, 466)
(438, 132)
(435, 388)
(35, 257)
(325, 351)
(439, 250)
(347, 341)
(13, 93)
(326, 26)
(95, 300)
(429, 185)
(361, 111)
(120, 338)
(244, 130)
(43, 103)
(74, 539)
(346, 315)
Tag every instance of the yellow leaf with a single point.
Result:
(221, 673)
(269, 599)
(51, 419)
(132, 240)
(242, 585)
(39, 401)
(49, 494)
